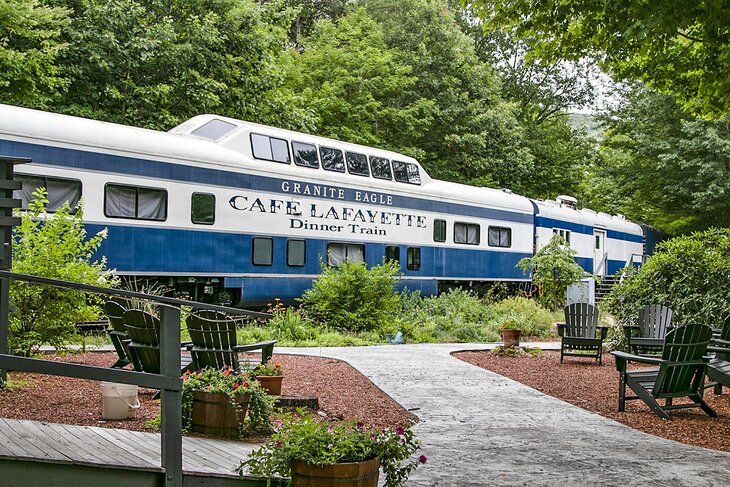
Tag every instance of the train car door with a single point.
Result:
(599, 253)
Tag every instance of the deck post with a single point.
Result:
(171, 402)
(7, 221)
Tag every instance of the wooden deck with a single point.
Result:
(29, 448)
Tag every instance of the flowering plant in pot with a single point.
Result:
(270, 375)
(305, 449)
(510, 330)
(216, 401)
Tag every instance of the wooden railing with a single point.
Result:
(168, 381)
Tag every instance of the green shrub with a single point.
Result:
(528, 315)
(55, 246)
(351, 297)
(553, 270)
(688, 273)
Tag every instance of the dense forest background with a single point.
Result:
(483, 93)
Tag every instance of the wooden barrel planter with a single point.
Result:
(355, 474)
(511, 338)
(214, 414)
(271, 383)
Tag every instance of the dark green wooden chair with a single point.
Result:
(647, 336)
(117, 333)
(680, 372)
(718, 368)
(213, 337)
(580, 335)
(144, 346)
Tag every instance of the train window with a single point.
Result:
(305, 155)
(406, 172)
(466, 233)
(122, 201)
(202, 208)
(262, 250)
(58, 191)
(439, 230)
(357, 164)
(270, 148)
(332, 159)
(563, 233)
(214, 130)
(392, 252)
(339, 252)
(499, 237)
(380, 168)
(296, 253)
(413, 258)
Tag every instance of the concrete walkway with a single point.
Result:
(481, 429)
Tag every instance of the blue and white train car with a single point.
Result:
(234, 212)
(604, 243)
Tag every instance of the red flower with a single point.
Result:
(422, 459)
(400, 430)
(235, 385)
(278, 444)
(245, 384)
(360, 425)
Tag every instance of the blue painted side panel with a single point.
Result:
(159, 250)
(586, 229)
(176, 172)
(585, 262)
(264, 289)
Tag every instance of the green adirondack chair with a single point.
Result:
(654, 321)
(117, 333)
(214, 345)
(680, 372)
(580, 335)
(144, 346)
(718, 368)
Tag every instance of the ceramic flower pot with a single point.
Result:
(355, 474)
(215, 415)
(271, 383)
(511, 338)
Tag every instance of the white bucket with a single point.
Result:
(119, 401)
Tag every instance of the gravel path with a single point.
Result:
(480, 428)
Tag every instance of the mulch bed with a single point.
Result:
(583, 383)
(342, 391)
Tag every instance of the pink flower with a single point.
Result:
(360, 425)
(422, 459)
(278, 445)
(400, 430)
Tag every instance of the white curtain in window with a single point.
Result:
(120, 201)
(151, 204)
(459, 233)
(336, 254)
(356, 253)
(61, 191)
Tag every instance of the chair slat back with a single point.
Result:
(683, 371)
(654, 321)
(144, 330)
(725, 335)
(581, 320)
(114, 312)
(213, 340)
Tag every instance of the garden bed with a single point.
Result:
(595, 388)
(343, 393)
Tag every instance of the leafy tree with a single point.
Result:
(308, 12)
(354, 85)
(680, 48)
(553, 270)
(351, 297)
(474, 136)
(666, 167)
(157, 63)
(688, 273)
(30, 42)
(54, 246)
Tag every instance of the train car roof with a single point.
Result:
(558, 210)
(232, 150)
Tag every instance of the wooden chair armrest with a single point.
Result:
(718, 349)
(561, 329)
(186, 345)
(254, 346)
(629, 330)
(622, 358)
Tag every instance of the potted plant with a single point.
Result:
(510, 333)
(314, 453)
(270, 375)
(215, 401)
